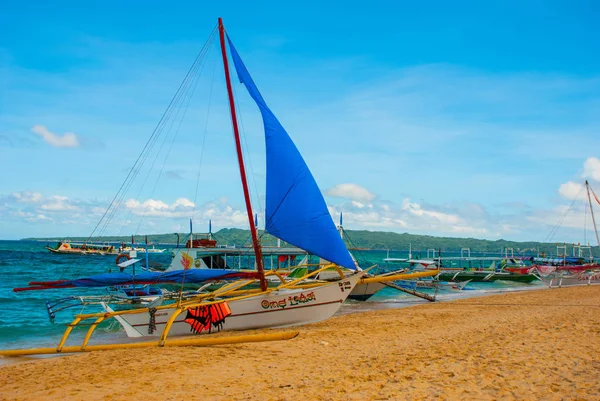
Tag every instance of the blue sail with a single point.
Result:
(295, 209)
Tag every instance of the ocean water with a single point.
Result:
(24, 320)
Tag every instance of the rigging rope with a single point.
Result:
(190, 95)
(554, 230)
(246, 153)
(181, 98)
(353, 245)
(135, 169)
(204, 138)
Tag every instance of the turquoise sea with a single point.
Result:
(24, 320)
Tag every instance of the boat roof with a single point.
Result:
(405, 260)
(128, 263)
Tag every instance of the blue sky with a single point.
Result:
(457, 119)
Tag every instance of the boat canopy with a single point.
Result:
(559, 261)
(117, 279)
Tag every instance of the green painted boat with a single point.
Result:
(484, 276)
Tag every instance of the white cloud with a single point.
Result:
(563, 216)
(469, 230)
(27, 197)
(156, 208)
(58, 204)
(417, 210)
(29, 206)
(572, 190)
(358, 204)
(351, 191)
(67, 140)
(591, 169)
(31, 217)
(465, 219)
(183, 202)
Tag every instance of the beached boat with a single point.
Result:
(296, 212)
(279, 307)
(569, 279)
(84, 248)
(485, 276)
(471, 268)
(576, 269)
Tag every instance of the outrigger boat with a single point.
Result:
(296, 212)
(472, 269)
(563, 278)
(84, 248)
(478, 276)
(576, 269)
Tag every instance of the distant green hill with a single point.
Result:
(226, 236)
(358, 239)
(390, 240)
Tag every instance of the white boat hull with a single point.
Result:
(362, 292)
(276, 309)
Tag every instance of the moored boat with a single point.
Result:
(296, 213)
(485, 276)
(280, 307)
(84, 248)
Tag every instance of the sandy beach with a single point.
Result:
(538, 345)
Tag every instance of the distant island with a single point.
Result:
(357, 239)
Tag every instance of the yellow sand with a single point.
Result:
(539, 345)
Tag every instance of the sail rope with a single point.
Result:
(247, 156)
(149, 144)
(212, 82)
(185, 93)
(554, 229)
(174, 107)
(134, 170)
(358, 254)
(190, 95)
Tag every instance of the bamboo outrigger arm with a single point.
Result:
(402, 276)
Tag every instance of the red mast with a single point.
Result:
(238, 147)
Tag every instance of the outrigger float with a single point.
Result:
(188, 342)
